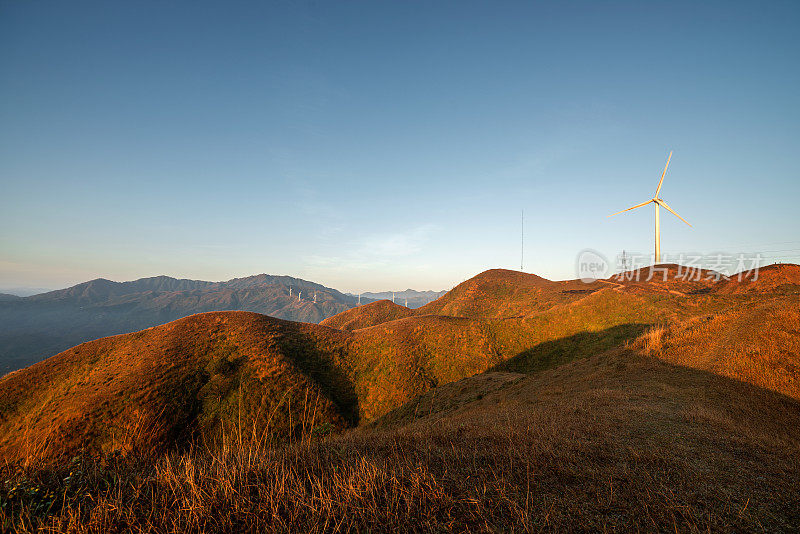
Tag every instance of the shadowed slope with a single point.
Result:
(396, 360)
(622, 440)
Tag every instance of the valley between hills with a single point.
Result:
(511, 402)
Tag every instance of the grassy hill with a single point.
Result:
(618, 440)
(601, 406)
(500, 293)
(409, 298)
(193, 368)
(370, 314)
(180, 382)
(775, 277)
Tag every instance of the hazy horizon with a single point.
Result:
(374, 146)
(24, 291)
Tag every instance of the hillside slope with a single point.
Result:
(500, 293)
(409, 298)
(614, 441)
(775, 277)
(492, 294)
(680, 429)
(182, 381)
(118, 379)
(751, 337)
(367, 315)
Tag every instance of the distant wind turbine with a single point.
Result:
(658, 203)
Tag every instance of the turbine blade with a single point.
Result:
(660, 183)
(632, 208)
(666, 206)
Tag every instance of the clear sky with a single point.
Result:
(383, 145)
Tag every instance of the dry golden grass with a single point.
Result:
(611, 410)
(758, 343)
(174, 384)
(368, 315)
(617, 441)
(188, 378)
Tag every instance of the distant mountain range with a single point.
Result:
(409, 298)
(35, 327)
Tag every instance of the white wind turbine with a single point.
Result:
(658, 202)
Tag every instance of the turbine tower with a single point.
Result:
(658, 203)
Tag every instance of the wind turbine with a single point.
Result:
(658, 203)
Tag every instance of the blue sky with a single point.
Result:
(385, 145)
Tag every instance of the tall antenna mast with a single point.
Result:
(522, 240)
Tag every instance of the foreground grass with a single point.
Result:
(615, 442)
(393, 483)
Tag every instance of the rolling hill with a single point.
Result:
(368, 315)
(607, 406)
(773, 277)
(33, 328)
(381, 356)
(186, 380)
(500, 293)
(409, 297)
